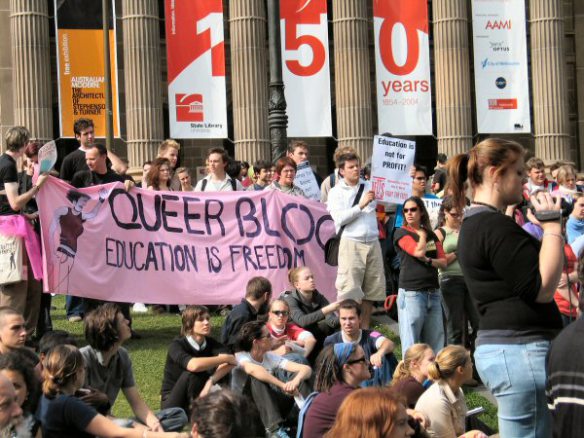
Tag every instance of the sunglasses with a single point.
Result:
(360, 360)
(412, 210)
(280, 312)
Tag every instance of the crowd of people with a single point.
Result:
(484, 264)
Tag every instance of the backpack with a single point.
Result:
(232, 181)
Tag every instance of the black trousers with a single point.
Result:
(185, 390)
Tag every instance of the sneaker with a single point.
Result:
(280, 432)
(75, 318)
(139, 308)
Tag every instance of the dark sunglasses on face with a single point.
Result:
(408, 210)
(280, 312)
(361, 359)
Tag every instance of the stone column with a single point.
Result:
(579, 43)
(550, 108)
(352, 75)
(144, 124)
(6, 97)
(31, 67)
(247, 23)
(453, 96)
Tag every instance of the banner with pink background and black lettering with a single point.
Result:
(177, 247)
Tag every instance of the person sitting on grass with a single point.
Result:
(109, 368)
(444, 401)
(341, 368)
(378, 349)
(273, 381)
(68, 417)
(412, 372)
(224, 414)
(195, 361)
(12, 330)
(290, 341)
(257, 296)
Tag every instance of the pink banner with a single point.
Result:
(175, 247)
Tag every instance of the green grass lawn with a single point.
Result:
(149, 354)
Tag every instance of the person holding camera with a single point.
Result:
(512, 278)
(419, 300)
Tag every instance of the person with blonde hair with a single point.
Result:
(443, 403)
(290, 340)
(512, 279)
(169, 149)
(371, 412)
(63, 415)
(310, 309)
(412, 372)
(567, 183)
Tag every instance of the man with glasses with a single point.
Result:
(272, 392)
(290, 341)
(377, 348)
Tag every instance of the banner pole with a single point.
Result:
(109, 124)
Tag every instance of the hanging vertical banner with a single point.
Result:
(80, 65)
(500, 66)
(402, 66)
(305, 67)
(197, 101)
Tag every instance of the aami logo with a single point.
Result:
(498, 25)
(189, 107)
(501, 83)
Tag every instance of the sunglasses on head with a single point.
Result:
(280, 312)
(412, 210)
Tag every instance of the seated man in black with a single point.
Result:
(257, 296)
(195, 361)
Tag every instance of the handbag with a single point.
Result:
(331, 247)
(11, 256)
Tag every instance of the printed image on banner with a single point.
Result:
(107, 243)
(402, 66)
(305, 67)
(500, 65)
(197, 100)
(80, 65)
(391, 162)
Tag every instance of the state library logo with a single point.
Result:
(189, 107)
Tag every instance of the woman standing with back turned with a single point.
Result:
(512, 279)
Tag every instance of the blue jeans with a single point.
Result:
(382, 376)
(420, 319)
(515, 375)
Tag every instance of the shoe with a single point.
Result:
(139, 308)
(75, 318)
(280, 432)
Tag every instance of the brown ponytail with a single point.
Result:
(414, 353)
(496, 152)
(60, 368)
(447, 361)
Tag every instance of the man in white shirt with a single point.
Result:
(217, 180)
(360, 274)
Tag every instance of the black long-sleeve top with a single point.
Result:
(500, 263)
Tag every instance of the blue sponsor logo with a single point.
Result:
(501, 83)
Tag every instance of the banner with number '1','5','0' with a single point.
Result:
(402, 66)
(80, 64)
(177, 247)
(197, 100)
(500, 66)
(305, 67)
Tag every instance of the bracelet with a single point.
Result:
(554, 234)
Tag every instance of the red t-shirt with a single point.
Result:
(562, 303)
(292, 331)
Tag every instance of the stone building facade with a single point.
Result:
(555, 32)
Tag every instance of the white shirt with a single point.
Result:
(217, 186)
(361, 225)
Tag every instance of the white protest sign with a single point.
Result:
(306, 180)
(433, 207)
(47, 156)
(390, 168)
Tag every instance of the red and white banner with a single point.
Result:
(178, 247)
(500, 66)
(305, 67)
(195, 44)
(402, 66)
